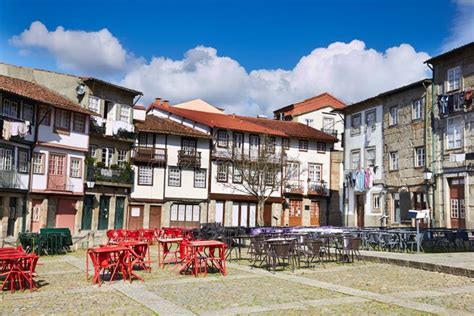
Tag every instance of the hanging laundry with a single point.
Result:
(23, 129)
(443, 104)
(14, 128)
(468, 97)
(6, 131)
(369, 179)
(459, 99)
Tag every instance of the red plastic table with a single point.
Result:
(209, 252)
(139, 252)
(165, 249)
(110, 258)
(17, 268)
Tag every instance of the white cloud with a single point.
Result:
(350, 71)
(88, 52)
(462, 30)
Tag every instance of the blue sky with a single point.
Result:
(252, 40)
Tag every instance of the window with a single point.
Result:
(125, 113)
(271, 144)
(417, 110)
(455, 132)
(94, 104)
(328, 125)
(394, 160)
(293, 171)
(121, 156)
(303, 145)
(370, 119)
(420, 200)
(79, 124)
(185, 215)
(321, 147)
(44, 115)
(23, 161)
(254, 146)
(107, 154)
(244, 214)
(75, 171)
(370, 157)
(62, 119)
(92, 150)
(454, 208)
(38, 163)
(238, 143)
(222, 172)
(199, 178)
(309, 122)
(285, 143)
(222, 138)
(236, 175)
(28, 112)
(6, 159)
(393, 116)
(145, 175)
(10, 108)
(355, 124)
(174, 177)
(355, 159)
(454, 79)
(375, 202)
(188, 146)
(314, 172)
(419, 157)
(269, 178)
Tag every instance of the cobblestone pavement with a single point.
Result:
(357, 288)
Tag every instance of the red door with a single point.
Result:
(155, 217)
(36, 220)
(66, 214)
(57, 172)
(296, 212)
(314, 213)
(456, 203)
(135, 217)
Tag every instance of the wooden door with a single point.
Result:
(296, 212)
(12, 215)
(457, 203)
(135, 217)
(267, 214)
(119, 209)
(36, 216)
(57, 172)
(66, 214)
(87, 212)
(155, 217)
(104, 212)
(360, 210)
(314, 213)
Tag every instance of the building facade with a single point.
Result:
(452, 163)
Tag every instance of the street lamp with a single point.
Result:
(427, 174)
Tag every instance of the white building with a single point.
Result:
(307, 147)
(363, 163)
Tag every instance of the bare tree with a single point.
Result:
(259, 172)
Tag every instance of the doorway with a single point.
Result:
(135, 218)
(104, 212)
(57, 172)
(267, 214)
(296, 212)
(66, 214)
(457, 203)
(87, 212)
(360, 210)
(155, 217)
(11, 216)
(119, 209)
(314, 213)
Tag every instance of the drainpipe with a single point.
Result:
(433, 161)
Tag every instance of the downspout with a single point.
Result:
(433, 161)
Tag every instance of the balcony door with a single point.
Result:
(57, 172)
(457, 203)
(188, 146)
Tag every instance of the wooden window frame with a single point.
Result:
(61, 128)
(79, 171)
(42, 157)
(32, 121)
(83, 129)
(138, 176)
(25, 151)
(222, 163)
(47, 119)
(393, 120)
(303, 148)
(321, 147)
(234, 180)
(225, 141)
(285, 143)
(205, 176)
(180, 176)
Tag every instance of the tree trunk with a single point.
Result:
(260, 210)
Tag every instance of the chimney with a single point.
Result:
(166, 103)
(157, 101)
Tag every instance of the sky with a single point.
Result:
(250, 57)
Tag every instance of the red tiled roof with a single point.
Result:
(154, 124)
(312, 104)
(250, 124)
(40, 94)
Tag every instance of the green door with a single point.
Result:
(87, 212)
(119, 207)
(104, 212)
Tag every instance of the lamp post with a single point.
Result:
(427, 176)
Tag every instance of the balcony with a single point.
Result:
(305, 188)
(119, 130)
(317, 188)
(60, 185)
(119, 176)
(189, 158)
(11, 179)
(330, 131)
(295, 187)
(154, 156)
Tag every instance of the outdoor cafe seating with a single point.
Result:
(17, 269)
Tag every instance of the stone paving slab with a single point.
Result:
(457, 263)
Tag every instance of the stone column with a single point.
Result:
(165, 214)
(146, 215)
(95, 211)
(228, 205)
(51, 212)
(78, 218)
(111, 219)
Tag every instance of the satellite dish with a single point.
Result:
(80, 89)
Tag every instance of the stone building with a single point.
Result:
(452, 163)
(406, 137)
